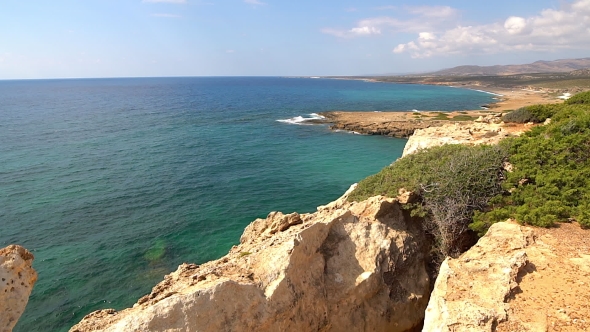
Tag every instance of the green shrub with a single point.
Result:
(463, 118)
(534, 113)
(441, 116)
(543, 112)
(521, 115)
(551, 178)
(580, 98)
(453, 181)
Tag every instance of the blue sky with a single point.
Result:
(123, 38)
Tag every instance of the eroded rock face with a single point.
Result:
(349, 266)
(471, 292)
(17, 278)
(472, 133)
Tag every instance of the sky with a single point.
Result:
(147, 38)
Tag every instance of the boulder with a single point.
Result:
(348, 266)
(17, 278)
(471, 292)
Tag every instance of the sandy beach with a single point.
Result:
(512, 99)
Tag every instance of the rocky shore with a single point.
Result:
(361, 266)
(394, 124)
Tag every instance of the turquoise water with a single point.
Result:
(112, 183)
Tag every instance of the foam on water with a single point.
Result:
(299, 120)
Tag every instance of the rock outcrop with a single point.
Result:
(348, 266)
(472, 133)
(17, 278)
(516, 278)
(470, 292)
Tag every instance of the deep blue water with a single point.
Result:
(112, 183)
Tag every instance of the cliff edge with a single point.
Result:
(486, 130)
(17, 278)
(515, 279)
(348, 265)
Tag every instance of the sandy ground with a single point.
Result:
(554, 288)
(514, 99)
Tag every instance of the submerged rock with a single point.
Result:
(348, 266)
(17, 278)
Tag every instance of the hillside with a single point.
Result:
(557, 66)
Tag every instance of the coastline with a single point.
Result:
(403, 124)
(394, 124)
(512, 99)
(509, 98)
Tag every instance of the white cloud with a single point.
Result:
(550, 30)
(165, 15)
(427, 18)
(433, 11)
(166, 1)
(254, 2)
(515, 25)
(354, 32)
(365, 31)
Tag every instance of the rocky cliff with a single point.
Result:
(484, 131)
(515, 279)
(17, 278)
(357, 266)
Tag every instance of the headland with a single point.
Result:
(403, 124)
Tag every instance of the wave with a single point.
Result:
(490, 93)
(299, 120)
(346, 131)
(483, 91)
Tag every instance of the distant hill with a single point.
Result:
(580, 72)
(557, 66)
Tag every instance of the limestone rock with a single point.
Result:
(17, 278)
(470, 293)
(472, 133)
(348, 266)
(405, 196)
(490, 118)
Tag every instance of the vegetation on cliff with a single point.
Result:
(551, 178)
(451, 182)
(533, 113)
(466, 187)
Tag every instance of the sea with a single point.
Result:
(112, 183)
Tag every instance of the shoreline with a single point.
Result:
(397, 124)
(509, 98)
(403, 124)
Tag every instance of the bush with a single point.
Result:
(453, 181)
(463, 118)
(521, 115)
(543, 112)
(580, 98)
(551, 178)
(534, 113)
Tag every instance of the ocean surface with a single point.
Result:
(112, 183)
